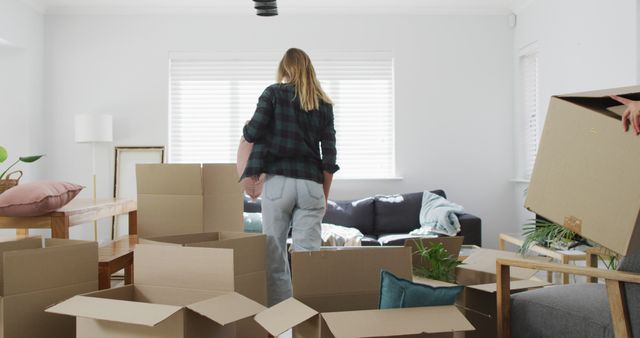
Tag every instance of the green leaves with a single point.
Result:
(30, 159)
(541, 232)
(440, 265)
(3, 154)
(26, 159)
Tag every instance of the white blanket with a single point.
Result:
(438, 216)
(335, 235)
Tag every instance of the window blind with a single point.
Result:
(529, 69)
(210, 100)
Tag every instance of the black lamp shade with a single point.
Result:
(262, 4)
(267, 12)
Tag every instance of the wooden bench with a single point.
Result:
(115, 256)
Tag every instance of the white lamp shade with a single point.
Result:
(94, 128)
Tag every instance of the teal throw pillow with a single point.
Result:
(253, 222)
(400, 293)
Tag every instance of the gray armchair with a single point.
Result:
(577, 310)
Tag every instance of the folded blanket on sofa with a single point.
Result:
(335, 235)
(438, 215)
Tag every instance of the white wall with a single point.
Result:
(453, 92)
(582, 45)
(21, 90)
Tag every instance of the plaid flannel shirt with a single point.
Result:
(287, 140)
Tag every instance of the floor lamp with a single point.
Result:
(93, 129)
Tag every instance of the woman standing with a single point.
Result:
(292, 123)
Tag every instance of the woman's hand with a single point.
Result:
(631, 115)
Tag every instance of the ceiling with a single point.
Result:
(292, 6)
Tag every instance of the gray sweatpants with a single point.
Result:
(289, 202)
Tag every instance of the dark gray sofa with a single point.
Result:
(385, 222)
(573, 311)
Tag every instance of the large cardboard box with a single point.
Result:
(188, 198)
(336, 294)
(179, 292)
(250, 276)
(36, 273)
(586, 171)
(478, 275)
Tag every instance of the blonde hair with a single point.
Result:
(296, 68)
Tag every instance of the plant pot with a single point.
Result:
(8, 183)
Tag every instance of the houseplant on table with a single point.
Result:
(6, 181)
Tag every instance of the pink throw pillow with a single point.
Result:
(251, 185)
(37, 198)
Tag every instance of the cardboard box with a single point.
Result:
(188, 198)
(36, 274)
(337, 293)
(586, 171)
(250, 276)
(478, 275)
(178, 292)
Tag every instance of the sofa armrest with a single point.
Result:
(471, 229)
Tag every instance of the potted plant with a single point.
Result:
(5, 181)
(439, 264)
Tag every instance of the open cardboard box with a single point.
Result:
(35, 273)
(478, 275)
(250, 277)
(178, 292)
(336, 294)
(188, 198)
(586, 172)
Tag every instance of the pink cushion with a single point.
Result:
(252, 185)
(37, 198)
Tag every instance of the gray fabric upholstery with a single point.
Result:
(567, 311)
(632, 264)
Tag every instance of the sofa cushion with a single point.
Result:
(397, 213)
(575, 310)
(369, 240)
(354, 214)
(252, 206)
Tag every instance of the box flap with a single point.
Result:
(169, 179)
(346, 272)
(484, 260)
(515, 285)
(605, 92)
(115, 310)
(184, 267)
(431, 282)
(15, 243)
(227, 308)
(284, 315)
(223, 198)
(74, 262)
(221, 178)
(396, 322)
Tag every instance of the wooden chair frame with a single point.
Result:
(614, 281)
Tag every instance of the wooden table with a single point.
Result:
(562, 256)
(114, 256)
(78, 211)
